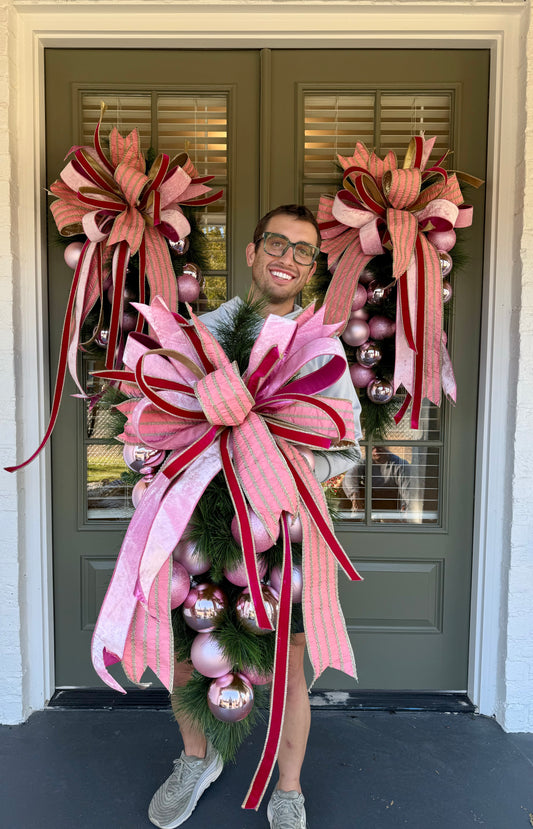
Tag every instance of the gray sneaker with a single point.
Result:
(286, 810)
(174, 802)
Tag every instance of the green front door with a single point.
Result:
(411, 541)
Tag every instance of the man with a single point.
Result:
(282, 258)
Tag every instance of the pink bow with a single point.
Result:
(383, 207)
(196, 404)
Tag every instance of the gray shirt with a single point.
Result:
(326, 466)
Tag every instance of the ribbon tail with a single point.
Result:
(121, 258)
(342, 288)
(279, 685)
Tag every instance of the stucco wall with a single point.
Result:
(515, 703)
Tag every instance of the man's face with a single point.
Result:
(278, 279)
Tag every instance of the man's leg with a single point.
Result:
(297, 719)
(194, 741)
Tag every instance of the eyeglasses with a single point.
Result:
(276, 245)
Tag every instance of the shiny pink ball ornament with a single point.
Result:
(101, 338)
(297, 582)
(231, 697)
(361, 375)
(180, 585)
(137, 456)
(180, 247)
(446, 262)
(359, 299)
(380, 391)
(442, 239)
(256, 678)
(377, 293)
(381, 327)
(72, 254)
(307, 454)
(356, 332)
(296, 532)
(208, 657)
(262, 540)
(204, 606)
(246, 612)
(369, 354)
(188, 288)
(447, 291)
(237, 575)
(188, 554)
(138, 491)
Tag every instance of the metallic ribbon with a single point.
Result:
(192, 401)
(122, 211)
(382, 207)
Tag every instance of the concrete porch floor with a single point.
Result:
(364, 770)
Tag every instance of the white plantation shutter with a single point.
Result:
(123, 111)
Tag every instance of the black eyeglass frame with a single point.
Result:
(268, 233)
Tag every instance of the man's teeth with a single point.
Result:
(282, 275)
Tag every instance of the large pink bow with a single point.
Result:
(196, 404)
(383, 207)
(122, 211)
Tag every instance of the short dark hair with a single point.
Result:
(297, 211)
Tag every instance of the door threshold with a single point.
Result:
(158, 699)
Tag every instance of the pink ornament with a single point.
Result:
(101, 338)
(180, 247)
(377, 293)
(204, 606)
(138, 491)
(356, 332)
(359, 299)
(380, 391)
(180, 585)
(297, 582)
(447, 291)
(381, 327)
(72, 254)
(361, 314)
(442, 239)
(366, 277)
(361, 375)
(231, 697)
(369, 354)
(128, 323)
(246, 612)
(256, 678)
(137, 456)
(262, 540)
(188, 288)
(237, 575)
(187, 554)
(308, 455)
(296, 529)
(446, 262)
(208, 657)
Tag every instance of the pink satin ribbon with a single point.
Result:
(193, 401)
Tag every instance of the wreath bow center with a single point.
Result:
(224, 398)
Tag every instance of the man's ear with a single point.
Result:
(250, 254)
(312, 269)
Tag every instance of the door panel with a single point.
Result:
(409, 537)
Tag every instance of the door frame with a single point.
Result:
(226, 26)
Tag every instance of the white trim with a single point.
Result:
(331, 25)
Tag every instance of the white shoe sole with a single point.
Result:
(196, 794)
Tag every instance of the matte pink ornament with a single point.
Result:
(237, 575)
(128, 323)
(442, 239)
(262, 540)
(208, 657)
(180, 585)
(359, 299)
(231, 697)
(137, 456)
(446, 262)
(356, 332)
(256, 678)
(295, 529)
(380, 391)
(187, 554)
(297, 582)
(361, 375)
(138, 491)
(447, 291)
(366, 276)
(188, 288)
(72, 254)
(361, 314)
(369, 354)
(381, 327)
(307, 454)
(246, 612)
(204, 606)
